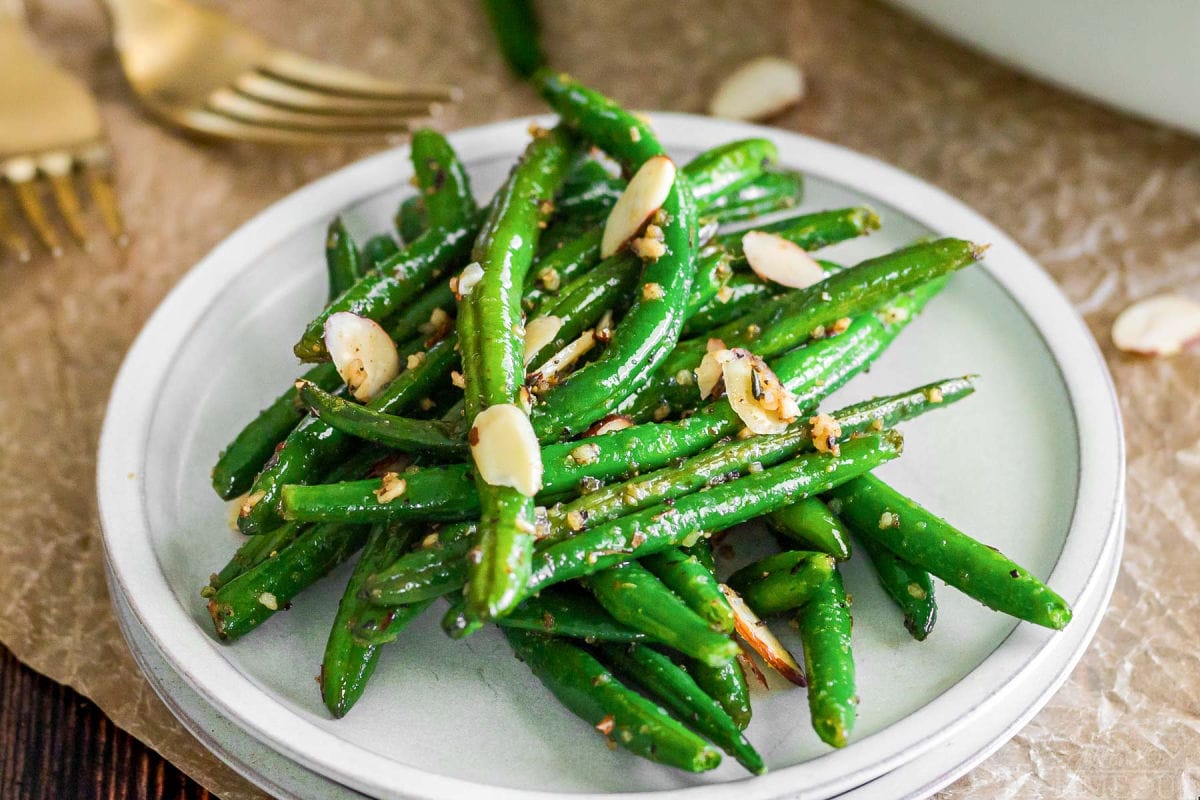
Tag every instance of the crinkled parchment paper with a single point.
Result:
(1109, 205)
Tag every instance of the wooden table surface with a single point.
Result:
(57, 745)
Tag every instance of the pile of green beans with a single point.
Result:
(604, 581)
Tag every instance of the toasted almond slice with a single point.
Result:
(539, 332)
(758, 89)
(1157, 326)
(755, 633)
(505, 449)
(363, 353)
(750, 667)
(644, 195)
(777, 260)
(757, 395)
(760, 638)
(712, 369)
(563, 360)
(608, 424)
(472, 274)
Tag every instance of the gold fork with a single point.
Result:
(49, 131)
(199, 70)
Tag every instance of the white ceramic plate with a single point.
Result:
(1033, 463)
(919, 778)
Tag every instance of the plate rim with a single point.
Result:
(130, 412)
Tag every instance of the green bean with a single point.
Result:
(774, 190)
(246, 602)
(670, 683)
(588, 193)
(722, 169)
(427, 437)
(348, 664)
(242, 458)
(809, 231)
(442, 179)
(638, 599)
(811, 524)
(782, 582)
(449, 225)
(727, 685)
(787, 321)
(394, 284)
(875, 510)
(719, 507)
(313, 446)
(702, 551)
(253, 551)
(516, 27)
(571, 614)
(712, 273)
(341, 258)
(561, 266)
(415, 318)
(376, 250)
(743, 293)
(694, 583)
(489, 324)
(589, 690)
(910, 587)
(412, 220)
(825, 626)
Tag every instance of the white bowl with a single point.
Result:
(1138, 56)
(1033, 463)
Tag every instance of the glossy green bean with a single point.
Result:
(774, 190)
(348, 664)
(342, 262)
(590, 691)
(515, 24)
(810, 523)
(911, 588)
(694, 583)
(825, 625)
(442, 180)
(571, 614)
(727, 685)
(782, 582)
(876, 510)
(663, 679)
(638, 599)
(376, 250)
(411, 219)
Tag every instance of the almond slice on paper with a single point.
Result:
(780, 261)
(363, 353)
(755, 633)
(539, 332)
(758, 89)
(505, 449)
(1157, 326)
(643, 196)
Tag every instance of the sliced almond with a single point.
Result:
(547, 375)
(711, 370)
(505, 449)
(472, 274)
(758, 89)
(643, 196)
(613, 422)
(755, 392)
(363, 353)
(539, 332)
(755, 633)
(775, 259)
(1157, 326)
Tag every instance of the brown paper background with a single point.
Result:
(1110, 206)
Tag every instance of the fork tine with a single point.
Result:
(97, 166)
(275, 91)
(312, 74)
(210, 123)
(245, 109)
(57, 167)
(21, 174)
(10, 238)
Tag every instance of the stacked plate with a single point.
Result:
(1033, 463)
